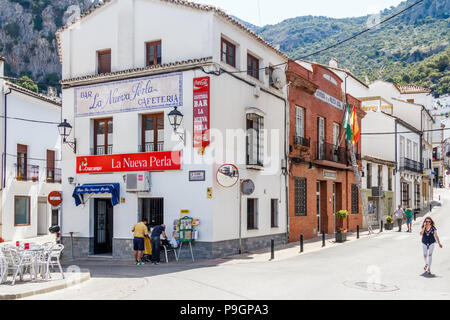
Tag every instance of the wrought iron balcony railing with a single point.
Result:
(411, 165)
(29, 172)
(302, 141)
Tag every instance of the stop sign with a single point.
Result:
(55, 198)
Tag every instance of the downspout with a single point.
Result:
(286, 157)
(396, 166)
(4, 153)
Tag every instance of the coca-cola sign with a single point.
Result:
(201, 102)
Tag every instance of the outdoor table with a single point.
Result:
(35, 250)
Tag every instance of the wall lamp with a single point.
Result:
(65, 129)
(175, 120)
(71, 180)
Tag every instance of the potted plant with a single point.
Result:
(1, 240)
(389, 225)
(341, 232)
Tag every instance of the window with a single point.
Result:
(152, 132)
(104, 61)
(153, 56)
(22, 164)
(405, 194)
(252, 214)
(299, 122)
(402, 147)
(153, 210)
(50, 166)
(390, 179)
(369, 175)
(408, 149)
(336, 132)
(355, 199)
(417, 187)
(321, 137)
(252, 66)
(228, 53)
(255, 124)
(274, 213)
(21, 211)
(415, 152)
(300, 196)
(380, 176)
(103, 136)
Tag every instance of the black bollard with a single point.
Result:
(357, 232)
(415, 213)
(323, 238)
(272, 249)
(301, 243)
(381, 224)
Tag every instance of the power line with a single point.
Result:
(400, 132)
(28, 158)
(31, 120)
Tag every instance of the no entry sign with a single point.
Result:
(55, 198)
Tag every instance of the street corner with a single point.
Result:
(27, 288)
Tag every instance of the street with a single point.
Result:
(382, 266)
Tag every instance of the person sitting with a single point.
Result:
(155, 240)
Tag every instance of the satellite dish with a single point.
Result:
(279, 78)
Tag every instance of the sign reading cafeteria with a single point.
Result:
(150, 161)
(130, 95)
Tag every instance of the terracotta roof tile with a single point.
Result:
(411, 88)
(33, 94)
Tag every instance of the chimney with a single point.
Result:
(333, 63)
(51, 92)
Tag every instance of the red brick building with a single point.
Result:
(321, 179)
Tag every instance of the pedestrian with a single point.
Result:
(398, 216)
(429, 238)
(155, 240)
(140, 231)
(409, 218)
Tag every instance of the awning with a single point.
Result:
(113, 188)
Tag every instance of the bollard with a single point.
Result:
(301, 243)
(272, 249)
(381, 224)
(357, 232)
(415, 213)
(323, 238)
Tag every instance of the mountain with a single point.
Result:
(412, 47)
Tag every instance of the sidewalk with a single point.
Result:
(26, 288)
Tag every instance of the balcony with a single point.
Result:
(102, 150)
(54, 175)
(28, 172)
(150, 147)
(411, 165)
(330, 152)
(301, 142)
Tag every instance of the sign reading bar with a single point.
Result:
(201, 112)
(321, 95)
(130, 95)
(150, 161)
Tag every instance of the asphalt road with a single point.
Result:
(383, 266)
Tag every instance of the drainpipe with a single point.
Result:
(396, 166)
(286, 157)
(4, 153)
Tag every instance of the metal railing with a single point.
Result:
(30, 172)
(330, 152)
(102, 150)
(302, 141)
(411, 165)
(54, 175)
(150, 147)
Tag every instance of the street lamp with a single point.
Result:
(175, 119)
(65, 129)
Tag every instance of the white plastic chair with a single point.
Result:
(3, 267)
(50, 258)
(19, 261)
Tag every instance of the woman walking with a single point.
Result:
(429, 238)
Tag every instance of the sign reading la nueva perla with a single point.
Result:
(130, 95)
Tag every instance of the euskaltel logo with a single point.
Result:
(200, 84)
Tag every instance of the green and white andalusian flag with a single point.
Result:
(347, 126)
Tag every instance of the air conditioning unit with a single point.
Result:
(377, 192)
(138, 182)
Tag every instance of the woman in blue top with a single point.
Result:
(429, 237)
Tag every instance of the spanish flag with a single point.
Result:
(355, 128)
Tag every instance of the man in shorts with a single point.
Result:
(140, 231)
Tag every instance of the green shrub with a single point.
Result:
(389, 219)
(342, 214)
(12, 29)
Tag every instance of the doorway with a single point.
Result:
(42, 217)
(103, 226)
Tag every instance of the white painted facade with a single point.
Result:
(186, 33)
(38, 137)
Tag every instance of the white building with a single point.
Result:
(30, 145)
(155, 50)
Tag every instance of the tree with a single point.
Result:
(27, 83)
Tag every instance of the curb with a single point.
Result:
(68, 283)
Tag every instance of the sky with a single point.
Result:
(263, 12)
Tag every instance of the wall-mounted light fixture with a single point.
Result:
(71, 180)
(65, 129)
(175, 120)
